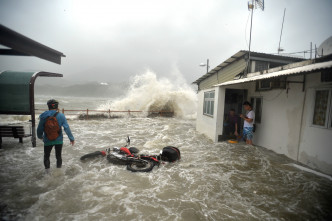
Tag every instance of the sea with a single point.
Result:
(212, 181)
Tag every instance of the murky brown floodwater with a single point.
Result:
(212, 181)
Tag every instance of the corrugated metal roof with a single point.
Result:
(241, 54)
(287, 72)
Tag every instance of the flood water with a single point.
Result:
(211, 182)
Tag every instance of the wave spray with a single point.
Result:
(148, 93)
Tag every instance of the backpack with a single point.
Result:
(52, 128)
(170, 154)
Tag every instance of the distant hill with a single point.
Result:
(91, 89)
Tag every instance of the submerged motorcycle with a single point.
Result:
(136, 162)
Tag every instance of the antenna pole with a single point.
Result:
(282, 26)
(207, 66)
(252, 13)
(251, 6)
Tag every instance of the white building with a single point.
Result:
(293, 104)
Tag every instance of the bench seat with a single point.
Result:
(15, 131)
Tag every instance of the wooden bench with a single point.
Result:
(16, 131)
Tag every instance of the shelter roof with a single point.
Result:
(17, 91)
(19, 44)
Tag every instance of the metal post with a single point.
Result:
(87, 114)
(282, 26)
(32, 111)
(310, 50)
(252, 13)
(207, 66)
(33, 127)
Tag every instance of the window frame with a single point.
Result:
(208, 103)
(329, 120)
(326, 76)
(328, 114)
(254, 108)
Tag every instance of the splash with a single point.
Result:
(148, 93)
(13, 119)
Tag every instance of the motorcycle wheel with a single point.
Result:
(91, 155)
(141, 166)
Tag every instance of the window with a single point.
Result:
(265, 84)
(208, 105)
(322, 115)
(256, 103)
(326, 75)
(261, 65)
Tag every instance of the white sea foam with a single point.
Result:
(148, 93)
(211, 181)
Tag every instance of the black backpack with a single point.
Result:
(170, 154)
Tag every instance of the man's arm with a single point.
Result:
(67, 130)
(249, 120)
(40, 129)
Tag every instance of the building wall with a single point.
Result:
(281, 118)
(223, 75)
(220, 112)
(230, 71)
(286, 126)
(315, 149)
(206, 124)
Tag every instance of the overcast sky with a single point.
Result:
(111, 40)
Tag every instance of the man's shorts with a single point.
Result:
(248, 133)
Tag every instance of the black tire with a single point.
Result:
(118, 160)
(141, 166)
(133, 150)
(91, 155)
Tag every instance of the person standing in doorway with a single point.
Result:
(50, 130)
(249, 120)
(231, 125)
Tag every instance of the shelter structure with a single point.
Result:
(17, 87)
(17, 94)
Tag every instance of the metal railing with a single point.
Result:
(109, 112)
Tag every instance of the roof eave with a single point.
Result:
(286, 72)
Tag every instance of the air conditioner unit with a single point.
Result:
(265, 84)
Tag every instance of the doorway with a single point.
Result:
(234, 99)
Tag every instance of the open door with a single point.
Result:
(234, 99)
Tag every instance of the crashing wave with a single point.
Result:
(149, 94)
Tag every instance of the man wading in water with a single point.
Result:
(49, 129)
(249, 120)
